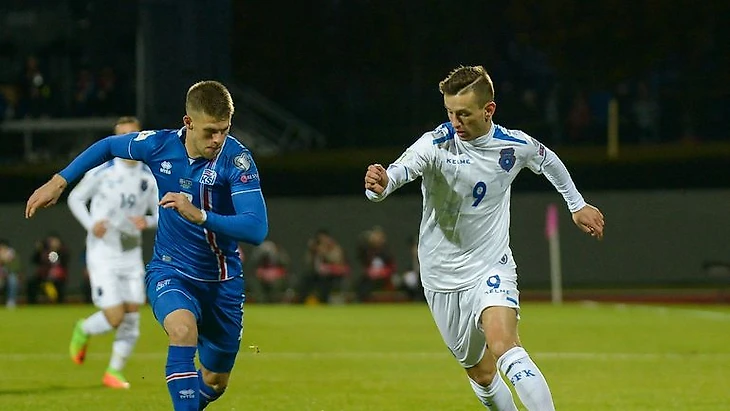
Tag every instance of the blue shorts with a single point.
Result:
(217, 306)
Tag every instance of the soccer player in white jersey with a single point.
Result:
(122, 197)
(467, 167)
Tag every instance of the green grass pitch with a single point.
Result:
(386, 357)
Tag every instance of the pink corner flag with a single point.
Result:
(551, 221)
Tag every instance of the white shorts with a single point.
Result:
(458, 314)
(112, 286)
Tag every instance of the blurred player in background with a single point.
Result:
(212, 199)
(470, 278)
(122, 197)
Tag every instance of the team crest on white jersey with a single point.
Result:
(507, 159)
(166, 167)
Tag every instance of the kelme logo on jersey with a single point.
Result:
(507, 159)
(166, 167)
(143, 185)
(242, 162)
(466, 160)
(208, 177)
(503, 260)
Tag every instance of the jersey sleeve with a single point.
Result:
(250, 221)
(141, 144)
(81, 195)
(542, 160)
(535, 153)
(411, 164)
(133, 146)
(152, 204)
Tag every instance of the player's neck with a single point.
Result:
(190, 149)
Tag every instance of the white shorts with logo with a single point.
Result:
(113, 285)
(458, 314)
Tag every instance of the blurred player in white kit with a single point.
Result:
(122, 201)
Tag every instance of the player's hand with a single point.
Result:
(180, 202)
(590, 220)
(99, 228)
(139, 221)
(45, 195)
(376, 179)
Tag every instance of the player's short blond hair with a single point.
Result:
(464, 79)
(210, 97)
(127, 120)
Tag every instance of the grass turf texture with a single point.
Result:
(385, 357)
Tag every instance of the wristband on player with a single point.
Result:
(205, 217)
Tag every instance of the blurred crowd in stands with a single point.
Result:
(69, 58)
(555, 68)
(35, 94)
(328, 274)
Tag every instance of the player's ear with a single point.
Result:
(188, 122)
(489, 110)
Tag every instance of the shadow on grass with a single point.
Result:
(51, 389)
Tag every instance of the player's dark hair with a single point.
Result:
(464, 79)
(210, 97)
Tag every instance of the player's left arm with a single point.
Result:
(249, 223)
(542, 160)
(152, 207)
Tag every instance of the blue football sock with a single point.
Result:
(182, 380)
(207, 393)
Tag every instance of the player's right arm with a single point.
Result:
(81, 195)
(379, 182)
(132, 146)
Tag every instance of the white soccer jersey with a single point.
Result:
(466, 198)
(115, 191)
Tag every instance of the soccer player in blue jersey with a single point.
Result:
(210, 199)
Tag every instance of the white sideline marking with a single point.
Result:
(387, 355)
(706, 314)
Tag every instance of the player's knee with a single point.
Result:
(484, 372)
(218, 382)
(114, 316)
(483, 378)
(182, 334)
(181, 328)
(499, 347)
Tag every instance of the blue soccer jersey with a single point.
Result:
(227, 187)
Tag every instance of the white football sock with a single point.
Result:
(125, 340)
(527, 379)
(96, 324)
(497, 396)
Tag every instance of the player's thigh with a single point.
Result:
(497, 304)
(106, 285)
(221, 330)
(133, 286)
(455, 319)
(168, 291)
